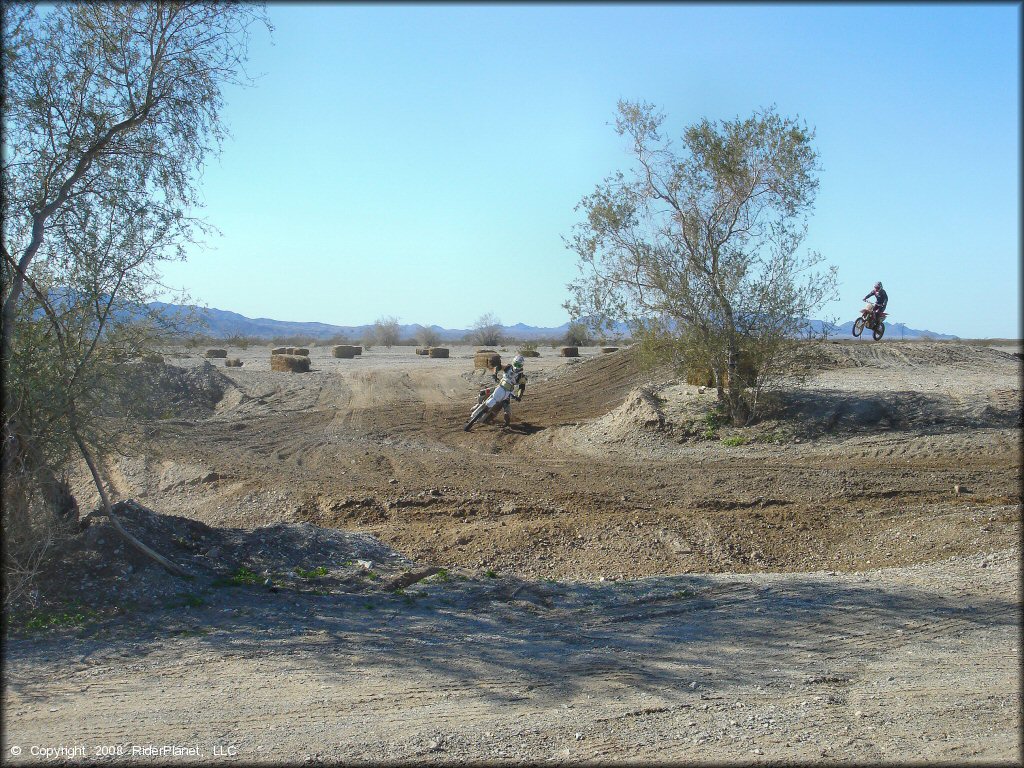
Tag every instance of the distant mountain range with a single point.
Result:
(219, 323)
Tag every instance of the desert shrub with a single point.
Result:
(487, 331)
(427, 336)
(577, 335)
(384, 332)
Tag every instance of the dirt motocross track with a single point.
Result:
(852, 558)
(606, 470)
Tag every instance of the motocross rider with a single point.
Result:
(510, 379)
(881, 300)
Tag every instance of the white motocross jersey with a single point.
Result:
(509, 379)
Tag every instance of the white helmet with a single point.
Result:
(517, 362)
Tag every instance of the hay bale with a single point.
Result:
(529, 353)
(359, 350)
(486, 358)
(279, 351)
(346, 351)
(293, 363)
(216, 353)
(606, 350)
(301, 351)
(153, 358)
(438, 352)
(233, 362)
(570, 352)
(422, 350)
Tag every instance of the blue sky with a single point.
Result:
(424, 161)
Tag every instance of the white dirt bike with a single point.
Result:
(490, 401)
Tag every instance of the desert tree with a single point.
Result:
(426, 336)
(110, 111)
(385, 332)
(698, 248)
(577, 334)
(487, 331)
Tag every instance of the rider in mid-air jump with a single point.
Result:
(881, 300)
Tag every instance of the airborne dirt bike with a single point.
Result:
(872, 322)
(490, 401)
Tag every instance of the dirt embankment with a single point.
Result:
(616, 576)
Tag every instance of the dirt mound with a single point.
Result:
(156, 390)
(639, 415)
(819, 412)
(587, 388)
(98, 568)
(895, 354)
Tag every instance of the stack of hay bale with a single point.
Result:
(293, 359)
(487, 359)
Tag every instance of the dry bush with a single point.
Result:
(233, 362)
(293, 363)
(569, 352)
(216, 353)
(438, 352)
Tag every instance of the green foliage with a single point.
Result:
(490, 573)
(698, 249)
(241, 578)
(441, 577)
(186, 600)
(110, 110)
(75, 616)
(577, 335)
(735, 440)
(314, 573)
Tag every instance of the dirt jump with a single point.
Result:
(615, 577)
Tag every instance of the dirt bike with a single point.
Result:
(868, 319)
(489, 402)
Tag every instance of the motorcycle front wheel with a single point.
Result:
(879, 331)
(858, 326)
(477, 413)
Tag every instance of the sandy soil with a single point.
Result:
(634, 584)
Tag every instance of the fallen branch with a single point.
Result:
(174, 568)
(409, 578)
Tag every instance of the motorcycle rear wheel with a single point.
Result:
(879, 331)
(858, 326)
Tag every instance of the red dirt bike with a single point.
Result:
(873, 322)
